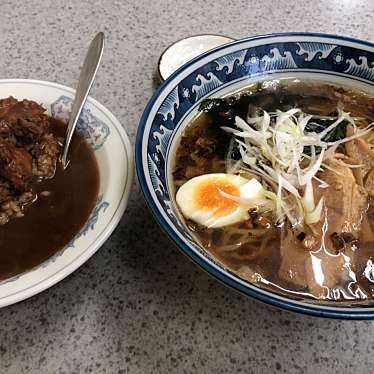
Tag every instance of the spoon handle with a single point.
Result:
(86, 78)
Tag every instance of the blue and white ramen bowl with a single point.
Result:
(218, 72)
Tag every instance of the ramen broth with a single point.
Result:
(329, 258)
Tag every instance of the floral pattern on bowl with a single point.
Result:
(92, 129)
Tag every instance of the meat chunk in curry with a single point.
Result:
(28, 150)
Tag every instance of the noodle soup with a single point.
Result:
(277, 183)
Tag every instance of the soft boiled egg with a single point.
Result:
(216, 200)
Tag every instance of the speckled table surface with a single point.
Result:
(138, 305)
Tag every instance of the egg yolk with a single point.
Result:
(208, 196)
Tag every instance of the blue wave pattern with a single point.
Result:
(155, 176)
(170, 105)
(247, 62)
(362, 69)
(311, 50)
(163, 137)
(92, 129)
(205, 85)
(228, 62)
(278, 61)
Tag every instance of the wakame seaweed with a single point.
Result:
(319, 124)
(223, 111)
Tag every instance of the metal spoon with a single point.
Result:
(86, 78)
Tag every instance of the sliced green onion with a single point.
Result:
(275, 145)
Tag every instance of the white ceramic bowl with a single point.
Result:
(114, 155)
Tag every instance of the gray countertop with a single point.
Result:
(138, 305)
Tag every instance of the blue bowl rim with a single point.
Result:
(292, 305)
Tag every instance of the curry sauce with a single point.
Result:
(60, 207)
